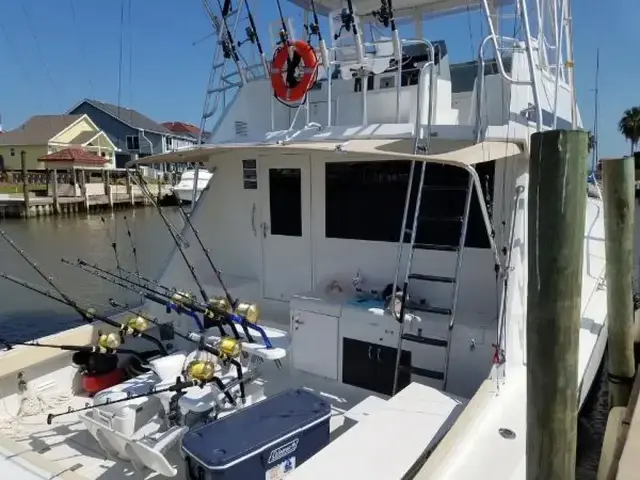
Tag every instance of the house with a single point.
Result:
(42, 135)
(182, 128)
(132, 132)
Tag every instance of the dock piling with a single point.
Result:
(25, 182)
(556, 221)
(618, 177)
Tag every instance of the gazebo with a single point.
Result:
(71, 160)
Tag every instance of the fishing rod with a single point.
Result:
(225, 346)
(77, 348)
(134, 250)
(253, 35)
(196, 234)
(114, 246)
(178, 387)
(191, 268)
(172, 300)
(284, 33)
(216, 308)
(87, 315)
(229, 48)
(107, 341)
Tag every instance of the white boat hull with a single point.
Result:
(185, 195)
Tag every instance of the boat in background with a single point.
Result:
(184, 189)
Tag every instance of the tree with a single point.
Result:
(629, 126)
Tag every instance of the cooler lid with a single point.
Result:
(249, 431)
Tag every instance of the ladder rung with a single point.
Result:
(445, 188)
(441, 219)
(424, 372)
(429, 309)
(434, 342)
(433, 246)
(432, 278)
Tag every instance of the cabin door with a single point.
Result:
(286, 225)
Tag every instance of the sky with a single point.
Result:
(53, 53)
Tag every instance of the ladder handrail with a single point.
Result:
(418, 130)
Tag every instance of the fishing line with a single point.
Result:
(191, 268)
(134, 250)
(114, 246)
(217, 272)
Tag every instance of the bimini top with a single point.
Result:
(463, 157)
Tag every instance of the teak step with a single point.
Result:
(431, 278)
(429, 309)
(433, 246)
(433, 341)
(423, 372)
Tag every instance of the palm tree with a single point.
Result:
(629, 126)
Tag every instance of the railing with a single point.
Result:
(503, 73)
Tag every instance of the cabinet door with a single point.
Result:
(385, 358)
(315, 344)
(358, 364)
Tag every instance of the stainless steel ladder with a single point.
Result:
(448, 310)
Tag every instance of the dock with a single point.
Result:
(87, 191)
(619, 459)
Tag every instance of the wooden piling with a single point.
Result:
(556, 221)
(56, 200)
(618, 177)
(25, 182)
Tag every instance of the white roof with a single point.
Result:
(388, 149)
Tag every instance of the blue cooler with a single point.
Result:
(265, 440)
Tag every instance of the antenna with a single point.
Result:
(594, 152)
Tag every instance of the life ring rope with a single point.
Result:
(284, 60)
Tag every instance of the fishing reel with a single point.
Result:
(90, 314)
(248, 311)
(134, 326)
(251, 36)
(312, 29)
(347, 19)
(383, 15)
(230, 348)
(109, 341)
(182, 299)
(200, 366)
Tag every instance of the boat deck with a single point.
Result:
(68, 443)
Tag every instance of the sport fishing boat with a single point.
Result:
(371, 197)
(186, 190)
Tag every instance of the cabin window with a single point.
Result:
(133, 142)
(365, 201)
(285, 201)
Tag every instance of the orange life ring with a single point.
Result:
(309, 60)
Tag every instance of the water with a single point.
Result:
(25, 315)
